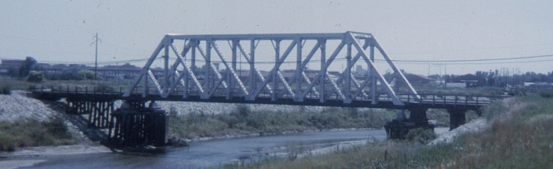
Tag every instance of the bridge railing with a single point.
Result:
(428, 99)
(450, 99)
(86, 90)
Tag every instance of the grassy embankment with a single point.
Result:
(29, 132)
(519, 137)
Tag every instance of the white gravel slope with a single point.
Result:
(475, 125)
(18, 105)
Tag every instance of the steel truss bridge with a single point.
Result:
(183, 73)
(266, 69)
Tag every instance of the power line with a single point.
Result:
(455, 61)
(95, 54)
(399, 61)
(476, 60)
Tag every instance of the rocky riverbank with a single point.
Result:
(19, 106)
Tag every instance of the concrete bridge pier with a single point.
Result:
(135, 125)
(457, 117)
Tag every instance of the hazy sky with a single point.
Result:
(62, 30)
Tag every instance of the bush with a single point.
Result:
(420, 135)
(35, 77)
(102, 88)
(5, 89)
(241, 110)
(25, 68)
(23, 133)
(546, 93)
(74, 74)
(494, 109)
(88, 75)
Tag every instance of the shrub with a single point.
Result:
(5, 89)
(420, 135)
(65, 74)
(35, 77)
(102, 88)
(88, 75)
(241, 110)
(546, 93)
(22, 133)
(25, 68)
(495, 108)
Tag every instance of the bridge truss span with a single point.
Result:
(275, 67)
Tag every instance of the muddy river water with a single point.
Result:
(217, 152)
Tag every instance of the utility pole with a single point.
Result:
(95, 54)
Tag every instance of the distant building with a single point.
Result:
(470, 80)
(415, 79)
(11, 63)
(6, 64)
(539, 85)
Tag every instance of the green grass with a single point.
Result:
(25, 133)
(243, 121)
(519, 137)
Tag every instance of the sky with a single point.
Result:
(61, 31)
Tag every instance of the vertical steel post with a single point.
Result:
(253, 80)
(192, 67)
(298, 70)
(166, 70)
(207, 66)
(275, 75)
(322, 72)
(230, 80)
(145, 85)
(347, 75)
(374, 99)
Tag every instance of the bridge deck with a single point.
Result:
(427, 100)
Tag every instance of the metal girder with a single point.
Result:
(269, 82)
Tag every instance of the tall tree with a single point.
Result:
(26, 67)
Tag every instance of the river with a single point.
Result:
(217, 152)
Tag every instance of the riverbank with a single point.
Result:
(87, 148)
(513, 133)
(30, 156)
